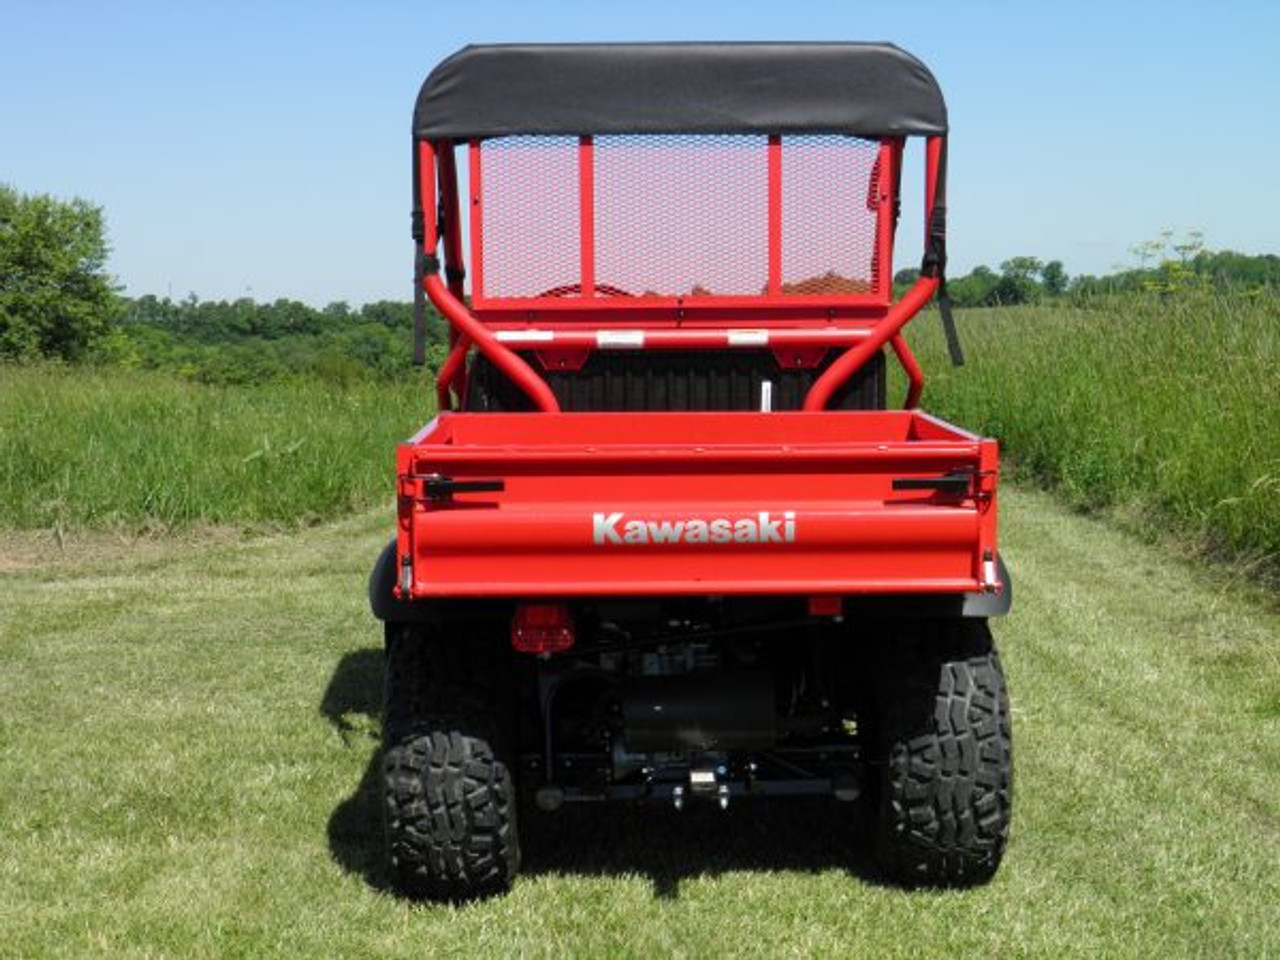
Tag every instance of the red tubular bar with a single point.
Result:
(477, 226)
(882, 185)
(587, 215)
(775, 216)
(932, 158)
(641, 338)
(849, 362)
(514, 368)
(453, 373)
(797, 310)
(912, 303)
(452, 237)
(915, 376)
(456, 312)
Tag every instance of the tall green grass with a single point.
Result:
(113, 448)
(1165, 408)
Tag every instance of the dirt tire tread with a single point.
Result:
(944, 798)
(449, 796)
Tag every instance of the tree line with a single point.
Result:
(1165, 266)
(243, 341)
(57, 302)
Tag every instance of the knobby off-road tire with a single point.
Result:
(449, 801)
(942, 778)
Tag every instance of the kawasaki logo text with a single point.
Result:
(762, 527)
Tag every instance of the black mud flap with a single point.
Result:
(991, 604)
(382, 583)
(934, 605)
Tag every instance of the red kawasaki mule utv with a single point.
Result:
(665, 540)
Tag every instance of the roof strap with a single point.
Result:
(935, 265)
(419, 308)
(949, 325)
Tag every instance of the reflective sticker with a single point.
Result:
(607, 339)
(524, 336)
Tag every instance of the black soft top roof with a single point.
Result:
(863, 89)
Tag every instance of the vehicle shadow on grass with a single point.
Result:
(669, 846)
(352, 703)
(803, 835)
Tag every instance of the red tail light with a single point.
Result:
(542, 628)
(820, 606)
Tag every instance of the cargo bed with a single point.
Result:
(591, 504)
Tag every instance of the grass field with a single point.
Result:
(136, 450)
(1161, 410)
(189, 728)
(1166, 410)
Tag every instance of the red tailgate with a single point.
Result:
(559, 505)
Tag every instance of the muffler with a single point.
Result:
(701, 712)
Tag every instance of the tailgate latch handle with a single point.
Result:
(437, 487)
(958, 482)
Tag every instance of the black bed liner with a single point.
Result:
(638, 381)
(859, 89)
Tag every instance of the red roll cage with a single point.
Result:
(555, 219)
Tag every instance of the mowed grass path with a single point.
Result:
(187, 733)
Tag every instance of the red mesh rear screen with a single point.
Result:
(529, 206)
(829, 215)
(678, 216)
(682, 216)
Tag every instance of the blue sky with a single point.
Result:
(262, 149)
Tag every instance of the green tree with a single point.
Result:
(975, 288)
(1054, 278)
(56, 299)
(1022, 268)
(1018, 282)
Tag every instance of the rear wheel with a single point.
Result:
(940, 741)
(449, 797)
